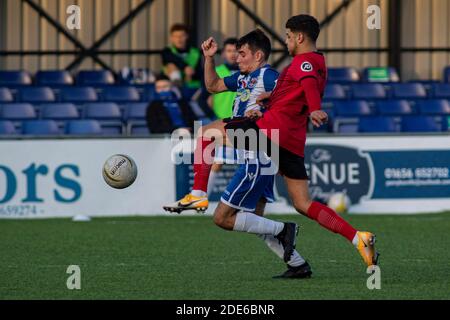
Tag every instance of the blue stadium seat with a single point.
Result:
(394, 107)
(6, 95)
(139, 129)
(441, 90)
(83, 127)
(109, 115)
(346, 127)
(14, 78)
(409, 91)
(368, 91)
(78, 95)
(421, 124)
(54, 78)
(343, 75)
(434, 107)
(40, 127)
(148, 93)
(36, 94)
(352, 108)
(95, 78)
(187, 93)
(120, 94)
(7, 128)
(59, 111)
(446, 75)
(377, 124)
(379, 74)
(135, 111)
(334, 92)
(17, 111)
(102, 111)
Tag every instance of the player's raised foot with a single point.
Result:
(301, 272)
(366, 248)
(188, 202)
(287, 239)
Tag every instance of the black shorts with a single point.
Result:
(290, 164)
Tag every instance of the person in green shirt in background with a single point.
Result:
(181, 61)
(222, 105)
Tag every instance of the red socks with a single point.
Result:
(203, 161)
(330, 220)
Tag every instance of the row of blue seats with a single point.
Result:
(67, 111)
(73, 127)
(386, 124)
(388, 107)
(105, 77)
(56, 78)
(374, 91)
(132, 94)
(78, 94)
(378, 124)
(111, 110)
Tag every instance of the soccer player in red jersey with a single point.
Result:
(295, 99)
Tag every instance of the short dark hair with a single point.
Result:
(256, 40)
(230, 41)
(179, 27)
(306, 24)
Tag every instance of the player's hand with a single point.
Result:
(209, 47)
(318, 118)
(262, 98)
(254, 114)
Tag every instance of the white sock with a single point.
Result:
(198, 193)
(251, 223)
(277, 248)
(212, 181)
(355, 240)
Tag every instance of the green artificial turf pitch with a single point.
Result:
(190, 258)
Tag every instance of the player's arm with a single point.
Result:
(314, 100)
(213, 83)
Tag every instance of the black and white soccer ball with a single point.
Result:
(119, 171)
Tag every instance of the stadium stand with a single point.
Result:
(100, 105)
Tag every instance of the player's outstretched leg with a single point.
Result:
(330, 220)
(207, 138)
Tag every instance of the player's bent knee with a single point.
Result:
(219, 220)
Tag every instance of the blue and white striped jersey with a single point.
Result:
(249, 87)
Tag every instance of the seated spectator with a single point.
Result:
(180, 60)
(167, 112)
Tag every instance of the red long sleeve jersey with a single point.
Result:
(288, 110)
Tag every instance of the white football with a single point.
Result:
(119, 171)
(339, 202)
